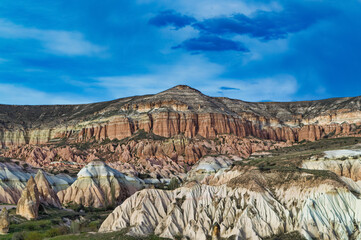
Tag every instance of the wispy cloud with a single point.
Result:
(199, 73)
(53, 41)
(274, 88)
(17, 94)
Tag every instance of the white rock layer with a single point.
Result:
(325, 211)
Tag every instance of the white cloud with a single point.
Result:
(16, 94)
(199, 73)
(275, 88)
(54, 41)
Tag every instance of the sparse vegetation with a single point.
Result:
(287, 236)
(53, 224)
(289, 159)
(173, 184)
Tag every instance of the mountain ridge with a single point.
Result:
(178, 110)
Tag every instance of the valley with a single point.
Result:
(182, 165)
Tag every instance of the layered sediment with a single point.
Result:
(180, 110)
(99, 186)
(246, 205)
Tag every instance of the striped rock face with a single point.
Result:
(98, 185)
(13, 179)
(247, 205)
(179, 110)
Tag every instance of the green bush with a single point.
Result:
(75, 227)
(53, 232)
(33, 236)
(18, 236)
(174, 184)
(94, 226)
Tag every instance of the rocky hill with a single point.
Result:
(300, 189)
(179, 110)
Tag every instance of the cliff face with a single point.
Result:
(180, 110)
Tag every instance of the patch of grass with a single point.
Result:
(287, 236)
(121, 235)
(50, 224)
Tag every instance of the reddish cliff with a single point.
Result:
(180, 110)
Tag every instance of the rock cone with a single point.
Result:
(47, 195)
(99, 185)
(28, 204)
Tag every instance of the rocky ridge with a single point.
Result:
(165, 158)
(180, 110)
(245, 204)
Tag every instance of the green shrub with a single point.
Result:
(63, 230)
(173, 184)
(75, 227)
(53, 232)
(18, 236)
(93, 226)
(33, 236)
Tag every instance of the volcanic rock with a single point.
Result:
(28, 204)
(180, 110)
(47, 195)
(4, 221)
(12, 181)
(99, 186)
(246, 205)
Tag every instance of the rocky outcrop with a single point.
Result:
(47, 195)
(345, 163)
(245, 205)
(164, 158)
(28, 204)
(210, 165)
(99, 186)
(13, 178)
(4, 221)
(180, 110)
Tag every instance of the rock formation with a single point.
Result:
(47, 195)
(180, 110)
(99, 186)
(4, 221)
(141, 155)
(345, 163)
(13, 180)
(216, 232)
(28, 204)
(246, 204)
(210, 165)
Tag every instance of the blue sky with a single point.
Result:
(66, 51)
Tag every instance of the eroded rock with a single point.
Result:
(4, 221)
(28, 204)
(47, 195)
(98, 186)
